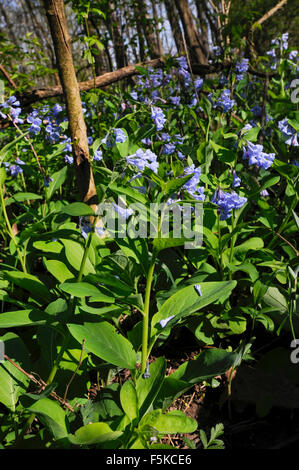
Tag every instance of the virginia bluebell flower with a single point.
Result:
(69, 159)
(198, 289)
(289, 133)
(35, 122)
(143, 159)
(293, 55)
(255, 155)
(236, 180)
(47, 181)
(147, 374)
(168, 149)
(226, 202)
(158, 117)
(122, 211)
(241, 68)
(98, 155)
(192, 185)
(224, 101)
(164, 322)
(120, 136)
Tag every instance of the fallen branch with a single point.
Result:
(126, 72)
(40, 383)
(271, 12)
(8, 77)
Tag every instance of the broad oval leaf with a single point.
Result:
(104, 341)
(94, 433)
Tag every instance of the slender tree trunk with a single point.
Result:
(116, 36)
(203, 25)
(196, 49)
(148, 29)
(158, 37)
(174, 20)
(62, 46)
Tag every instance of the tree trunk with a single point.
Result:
(62, 46)
(203, 25)
(174, 21)
(193, 41)
(149, 33)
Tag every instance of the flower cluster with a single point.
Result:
(226, 202)
(11, 107)
(255, 155)
(158, 117)
(224, 101)
(143, 159)
(192, 184)
(288, 132)
(241, 68)
(15, 168)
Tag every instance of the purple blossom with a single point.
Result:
(288, 132)
(255, 155)
(236, 180)
(198, 289)
(120, 136)
(122, 211)
(98, 155)
(164, 322)
(168, 149)
(241, 68)
(158, 117)
(144, 159)
(69, 159)
(192, 185)
(224, 101)
(226, 202)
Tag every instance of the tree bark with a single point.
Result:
(149, 33)
(196, 50)
(62, 46)
(173, 19)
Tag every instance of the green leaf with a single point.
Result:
(58, 179)
(104, 341)
(129, 400)
(48, 246)
(21, 197)
(223, 154)
(31, 283)
(173, 422)
(77, 209)
(187, 301)
(6, 149)
(51, 415)
(94, 433)
(13, 382)
(210, 362)
(58, 269)
(80, 289)
(160, 244)
(30, 317)
(147, 389)
(74, 252)
(275, 299)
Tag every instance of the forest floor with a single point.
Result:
(262, 412)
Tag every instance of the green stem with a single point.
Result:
(10, 231)
(145, 324)
(220, 248)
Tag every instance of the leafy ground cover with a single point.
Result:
(133, 342)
